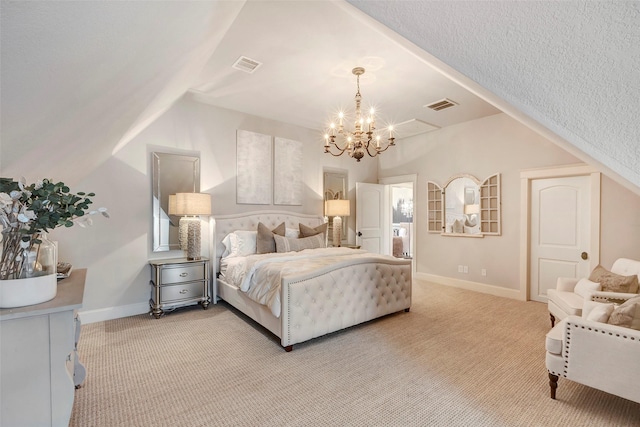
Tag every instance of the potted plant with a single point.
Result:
(28, 259)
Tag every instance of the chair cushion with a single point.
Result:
(569, 302)
(612, 282)
(553, 342)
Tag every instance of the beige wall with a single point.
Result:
(497, 144)
(116, 251)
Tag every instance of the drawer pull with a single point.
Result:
(185, 274)
(184, 291)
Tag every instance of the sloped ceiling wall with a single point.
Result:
(79, 78)
(571, 66)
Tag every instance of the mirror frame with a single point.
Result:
(490, 206)
(166, 181)
(476, 200)
(335, 183)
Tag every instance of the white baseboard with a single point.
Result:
(109, 313)
(471, 286)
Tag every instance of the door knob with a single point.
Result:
(359, 234)
(584, 255)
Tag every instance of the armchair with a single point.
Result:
(595, 354)
(566, 300)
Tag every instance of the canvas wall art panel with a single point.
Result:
(287, 175)
(253, 162)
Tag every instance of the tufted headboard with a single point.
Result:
(225, 224)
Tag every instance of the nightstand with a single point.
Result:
(178, 282)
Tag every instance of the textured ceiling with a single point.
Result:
(571, 66)
(78, 80)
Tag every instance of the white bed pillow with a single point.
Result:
(584, 287)
(292, 232)
(240, 243)
(228, 247)
(245, 242)
(287, 244)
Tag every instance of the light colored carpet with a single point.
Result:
(459, 358)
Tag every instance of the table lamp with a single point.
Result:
(337, 209)
(190, 206)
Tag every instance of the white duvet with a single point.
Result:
(260, 276)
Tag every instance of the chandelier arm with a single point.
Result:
(341, 151)
(382, 150)
(374, 154)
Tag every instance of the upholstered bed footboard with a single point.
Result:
(341, 296)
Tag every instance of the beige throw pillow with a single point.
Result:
(265, 243)
(286, 244)
(612, 282)
(627, 314)
(306, 231)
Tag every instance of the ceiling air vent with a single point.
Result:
(247, 65)
(441, 105)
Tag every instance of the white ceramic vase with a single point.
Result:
(27, 291)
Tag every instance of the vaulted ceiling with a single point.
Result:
(79, 80)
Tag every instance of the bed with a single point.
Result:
(325, 291)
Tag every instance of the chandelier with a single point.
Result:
(363, 138)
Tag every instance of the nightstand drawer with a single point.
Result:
(187, 273)
(172, 293)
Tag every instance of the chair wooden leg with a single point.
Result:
(553, 384)
(553, 320)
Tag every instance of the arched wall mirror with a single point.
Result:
(461, 205)
(465, 206)
(171, 174)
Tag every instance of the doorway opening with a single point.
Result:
(402, 219)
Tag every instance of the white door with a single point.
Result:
(372, 217)
(560, 231)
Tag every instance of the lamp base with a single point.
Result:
(191, 240)
(337, 231)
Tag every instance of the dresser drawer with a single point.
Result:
(187, 273)
(172, 293)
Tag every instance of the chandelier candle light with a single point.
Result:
(337, 209)
(190, 206)
(363, 138)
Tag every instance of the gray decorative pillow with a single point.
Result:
(287, 244)
(265, 243)
(306, 231)
(612, 282)
(627, 314)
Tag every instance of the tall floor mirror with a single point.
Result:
(335, 187)
(171, 174)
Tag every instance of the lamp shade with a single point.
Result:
(190, 204)
(337, 208)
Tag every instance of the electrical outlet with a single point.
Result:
(484, 272)
(460, 269)
(466, 269)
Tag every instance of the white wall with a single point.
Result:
(497, 144)
(116, 251)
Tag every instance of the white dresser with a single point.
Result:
(38, 358)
